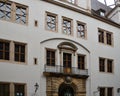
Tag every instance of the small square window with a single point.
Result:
(36, 23)
(35, 61)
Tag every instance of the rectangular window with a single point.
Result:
(50, 57)
(67, 60)
(19, 52)
(105, 65)
(106, 91)
(4, 89)
(5, 10)
(16, 13)
(81, 62)
(105, 37)
(4, 50)
(21, 14)
(102, 65)
(12, 89)
(81, 30)
(51, 21)
(101, 36)
(109, 91)
(102, 91)
(109, 66)
(109, 38)
(36, 23)
(19, 90)
(67, 26)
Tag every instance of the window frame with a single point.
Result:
(109, 39)
(102, 66)
(105, 38)
(8, 2)
(23, 7)
(13, 12)
(51, 50)
(4, 51)
(21, 44)
(110, 67)
(71, 25)
(56, 23)
(106, 66)
(19, 84)
(82, 64)
(12, 87)
(106, 91)
(8, 89)
(85, 29)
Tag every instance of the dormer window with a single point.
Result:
(71, 1)
(101, 12)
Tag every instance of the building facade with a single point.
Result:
(59, 48)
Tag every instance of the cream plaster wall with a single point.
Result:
(33, 36)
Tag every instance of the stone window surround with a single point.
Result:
(105, 37)
(56, 23)
(71, 26)
(106, 65)
(85, 61)
(46, 55)
(106, 90)
(12, 86)
(11, 53)
(13, 12)
(85, 29)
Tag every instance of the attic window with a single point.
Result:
(71, 1)
(101, 12)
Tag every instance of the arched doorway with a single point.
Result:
(66, 90)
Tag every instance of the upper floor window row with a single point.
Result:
(51, 24)
(14, 12)
(9, 50)
(105, 37)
